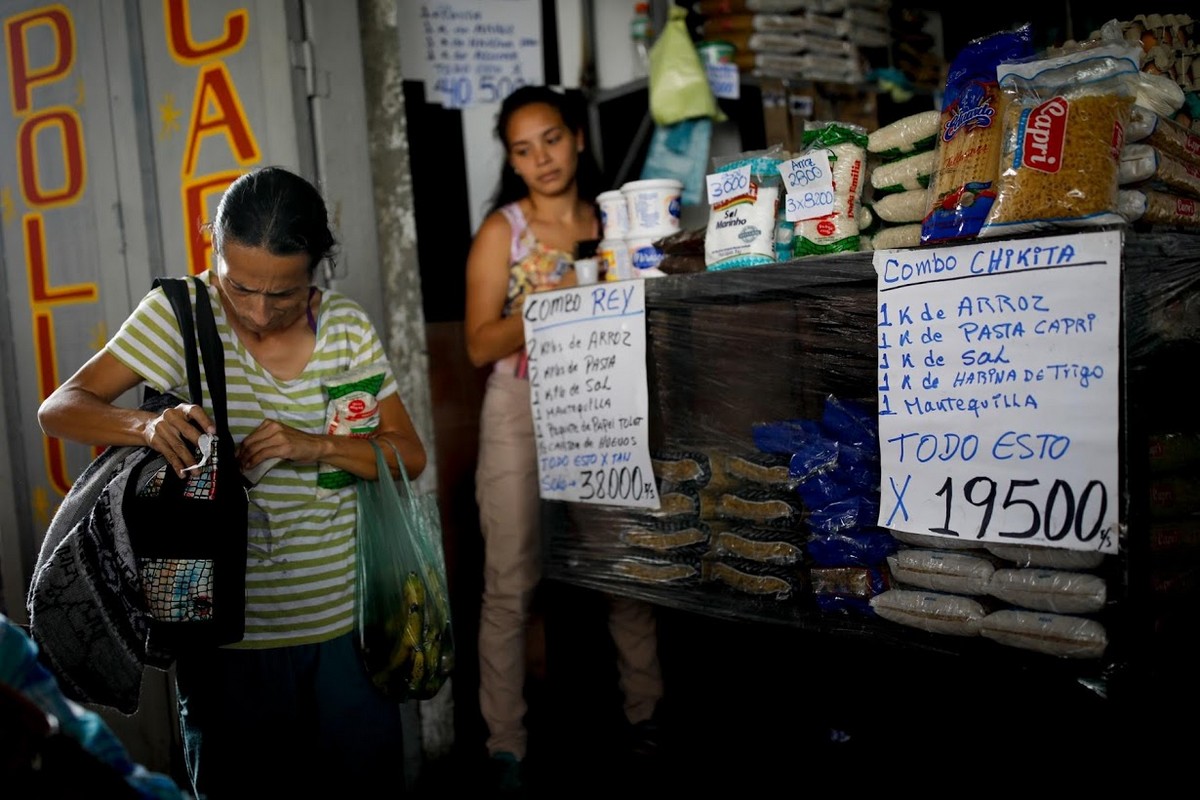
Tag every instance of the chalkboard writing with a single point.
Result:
(587, 379)
(472, 52)
(998, 390)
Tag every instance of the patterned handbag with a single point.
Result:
(189, 535)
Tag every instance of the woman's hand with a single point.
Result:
(272, 439)
(176, 434)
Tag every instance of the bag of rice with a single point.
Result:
(904, 137)
(901, 207)
(836, 232)
(906, 173)
(1144, 162)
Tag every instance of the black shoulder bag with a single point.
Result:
(189, 534)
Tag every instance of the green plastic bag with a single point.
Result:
(402, 598)
(679, 87)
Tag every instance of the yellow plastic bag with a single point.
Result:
(679, 87)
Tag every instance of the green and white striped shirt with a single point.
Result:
(300, 561)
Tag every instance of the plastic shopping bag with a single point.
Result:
(402, 601)
(679, 87)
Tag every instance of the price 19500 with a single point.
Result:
(617, 483)
(1054, 513)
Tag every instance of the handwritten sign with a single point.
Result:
(728, 184)
(724, 80)
(808, 181)
(587, 381)
(998, 390)
(471, 52)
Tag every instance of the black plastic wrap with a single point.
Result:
(763, 387)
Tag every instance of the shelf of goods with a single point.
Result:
(737, 359)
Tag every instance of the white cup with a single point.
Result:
(587, 270)
(653, 206)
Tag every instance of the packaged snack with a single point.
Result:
(352, 410)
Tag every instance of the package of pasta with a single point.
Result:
(1159, 208)
(1064, 125)
(836, 232)
(962, 186)
(1166, 135)
(1144, 162)
(352, 410)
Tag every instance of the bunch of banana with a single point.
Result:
(419, 660)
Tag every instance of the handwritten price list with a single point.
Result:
(588, 393)
(479, 51)
(998, 390)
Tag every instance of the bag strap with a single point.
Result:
(177, 293)
(212, 350)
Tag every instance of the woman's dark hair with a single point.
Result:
(573, 112)
(276, 210)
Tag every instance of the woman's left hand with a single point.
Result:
(273, 439)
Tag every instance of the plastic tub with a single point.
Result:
(645, 257)
(614, 214)
(653, 207)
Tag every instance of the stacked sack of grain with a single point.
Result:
(901, 158)
(806, 39)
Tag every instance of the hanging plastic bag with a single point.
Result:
(402, 598)
(679, 87)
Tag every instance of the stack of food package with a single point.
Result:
(901, 161)
(816, 40)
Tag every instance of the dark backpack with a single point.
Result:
(138, 566)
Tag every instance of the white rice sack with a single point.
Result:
(942, 570)
(900, 207)
(1048, 557)
(836, 232)
(933, 540)
(1049, 590)
(895, 237)
(1055, 634)
(906, 173)
(912, 134)
(930, 611)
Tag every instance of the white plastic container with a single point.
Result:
(653, 206)
(615, 255)
(614, 214)
(645, 257)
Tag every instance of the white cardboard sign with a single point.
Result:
(588, 393)
(999, 383)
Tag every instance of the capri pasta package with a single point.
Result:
(962, 187)
(1064, 129)
(352, 410)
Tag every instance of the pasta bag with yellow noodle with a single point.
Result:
(967, 149)
(1064, 121)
